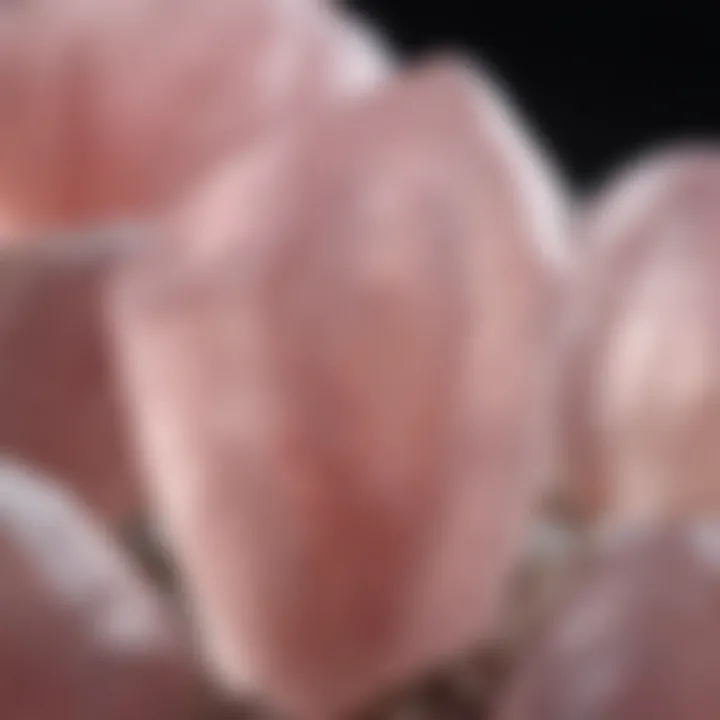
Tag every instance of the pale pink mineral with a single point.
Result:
(337, 359)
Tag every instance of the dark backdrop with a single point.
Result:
(601, 84)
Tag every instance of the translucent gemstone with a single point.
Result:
(336, 359)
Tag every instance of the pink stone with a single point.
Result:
(637, 638)
(82, 636)
(59, 408)
(336, 359)
(641, 409)
(116, 108)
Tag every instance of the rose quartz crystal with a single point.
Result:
(637, 639)
(59, 409)
(115, 108)
(642, 409)
(82, 637)
(337, 360)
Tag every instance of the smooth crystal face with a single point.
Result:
(115, 108)
(642, 403)
(336, 360)
(638, 637)
(60, 408)
(82, 636)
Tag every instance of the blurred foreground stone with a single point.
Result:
(115, 108)
(82, 635)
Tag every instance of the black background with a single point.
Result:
(600, 83)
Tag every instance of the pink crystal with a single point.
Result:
(337, 359)
(641, 409)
